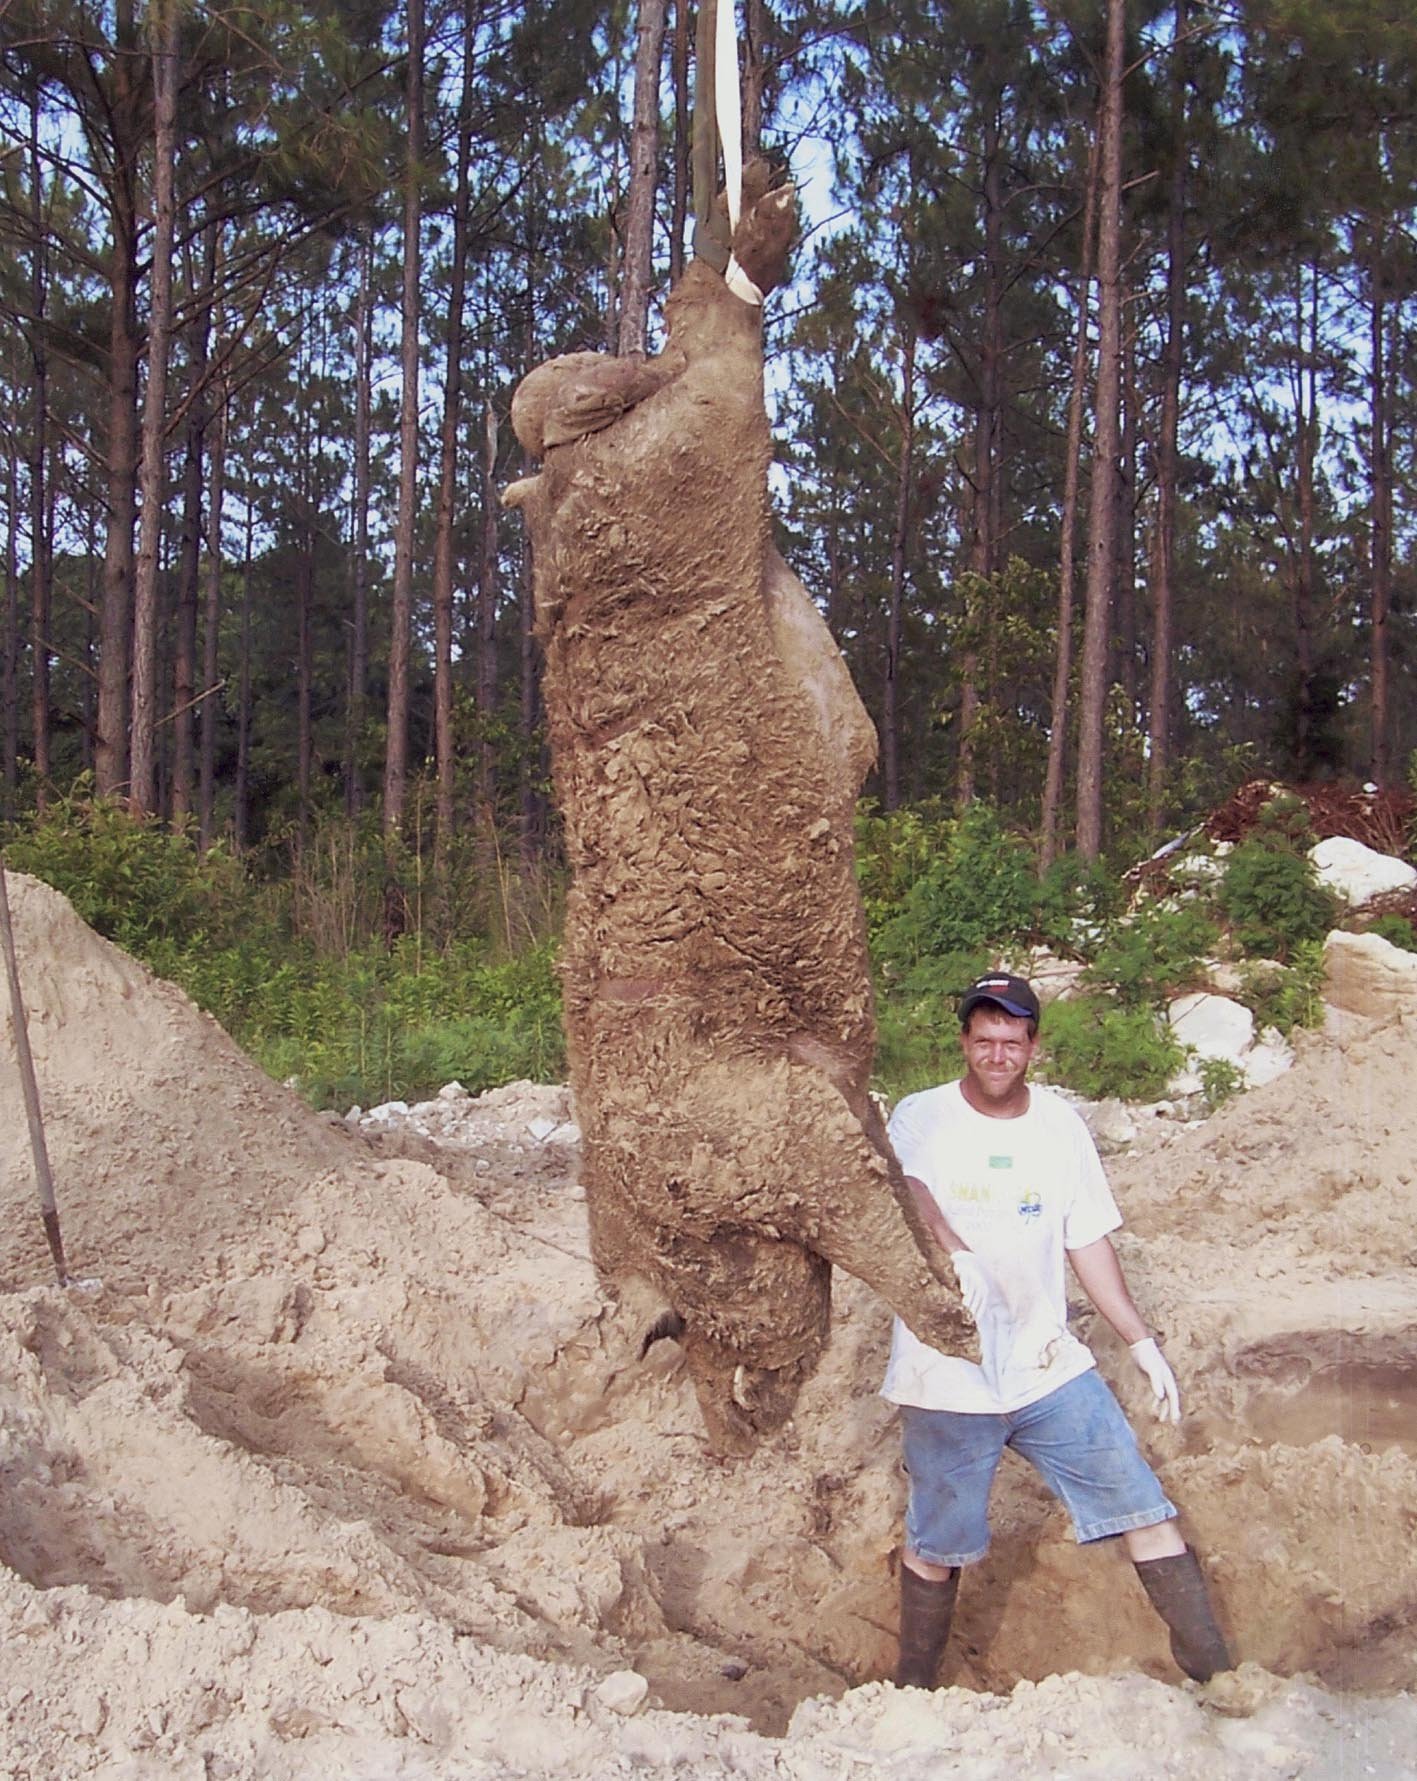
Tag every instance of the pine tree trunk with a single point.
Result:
(487, 621)
(1381, 511)
(527, 661)
(1107, 448)
(401, 616)
(638, 266)
(754, 32)
(1307, 431)
(1127, 676)
(41, 535)
(304, 660)
(184, 677)
(1067, 523)
(679, 202)
(905, 465)
(184, 659)
(988, 426)
(121, 456)
(357, 691)
(241, 814)
(1163, 570)
(92, 616)
(10, 657)
(142, 791)
(211, 626)
(448, 463)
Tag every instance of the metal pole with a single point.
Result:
(43, 1178)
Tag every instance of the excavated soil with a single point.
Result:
(337, 1463)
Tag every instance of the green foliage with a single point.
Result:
(1155, 953)
(1076, 898)
(946, 898)
(132, 882)
(1286, 996)
(1284, 823)
(952, 886)
(292, 972)
(917, 1046)
(1272, 898)
(1396, 930)
(377, 1028)
(1221, 1078)
(1098, 1048)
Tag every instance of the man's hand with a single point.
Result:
(1159, 1376)
(976, 1284)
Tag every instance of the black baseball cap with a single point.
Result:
(1011, 994)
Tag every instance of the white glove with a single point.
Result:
(1160, 1378)
(975, 1284)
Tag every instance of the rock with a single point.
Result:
(623, 1692)
(541, 1129)
(1267, 1059)
(1053, 978)
(1212, 1026)
(1357, 873)
(1201, 868)
(310, 1240)
(452, 1091)
(1111, 1123)
(388, 1111)
(1365, 974)
(1223, 977)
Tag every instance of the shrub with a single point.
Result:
(958, 886)
(1076, 899)
(1272, 899)
(384, 1026)
(917, 1047)
(1283, 822)
(1154, 954)
(1221, 1078)
(1286, 996)
(1098, 1048)
(131, 881)
(346, 1017)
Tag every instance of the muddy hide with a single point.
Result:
(707, 749)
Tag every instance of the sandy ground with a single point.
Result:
(343, 1466)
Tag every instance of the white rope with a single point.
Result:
(728, 103)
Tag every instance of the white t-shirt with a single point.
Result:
(1020, 1192)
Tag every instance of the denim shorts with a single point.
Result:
(1076, 1438)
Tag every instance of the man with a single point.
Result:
(1007, 1177)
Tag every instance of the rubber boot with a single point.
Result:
(1177, 1592)
(926, 1610)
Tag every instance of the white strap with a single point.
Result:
(728, 103)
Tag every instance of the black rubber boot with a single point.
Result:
(926, 1610)
(1177, 1592)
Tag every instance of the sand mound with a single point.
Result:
(348, 1468)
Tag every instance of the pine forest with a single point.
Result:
(1094, 392)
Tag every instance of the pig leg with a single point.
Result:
(770, 1125)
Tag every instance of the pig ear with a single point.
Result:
(567, 398)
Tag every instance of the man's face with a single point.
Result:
(997, 1052)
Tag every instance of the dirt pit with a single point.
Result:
(340, 1464)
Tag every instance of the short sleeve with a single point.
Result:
(1091, 1211)
(908, 1132)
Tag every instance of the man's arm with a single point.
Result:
(1100, 1275)
(1097, 1267)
